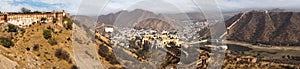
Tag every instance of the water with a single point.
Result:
(232, 47)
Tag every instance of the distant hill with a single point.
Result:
(130, 16)
(274, 28)
(154, 24)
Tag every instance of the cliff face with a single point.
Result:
(275, 28)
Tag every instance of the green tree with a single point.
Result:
(54, 20)
(69, 25)
(6, 42)
(52, 42)
(12, 28)
(43, 19)
(47, 34)
(25, 10)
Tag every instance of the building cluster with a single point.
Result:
(158, 40)
(23, 19)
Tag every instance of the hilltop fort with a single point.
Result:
(24, 19)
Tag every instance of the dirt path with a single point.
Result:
(85, 53)
(6, 63)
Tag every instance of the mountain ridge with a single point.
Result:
(273, 28)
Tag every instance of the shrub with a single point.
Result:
(62, 54)
(43, 20)
(23, 31)
(47, 34)
(52, 42)
(54, 20)
(6, 42)
(36, 47)
(12, 28)
(69, 24)
(104, 52)
(74, 67)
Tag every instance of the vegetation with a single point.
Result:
(23, 31)
(47, 34)
(36, 47)
(62, 54)
(52, 41)
(12, 28)
(69, 24)
(43, 19)
(104, 52)
(54, 20)
(74, 67)
(6, 42)
(25, 10)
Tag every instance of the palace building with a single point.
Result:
(23, 19)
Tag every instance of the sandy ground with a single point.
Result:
(6, 63)
(85, 54)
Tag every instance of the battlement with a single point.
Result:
(23, 19)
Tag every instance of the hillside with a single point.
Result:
(31, 50)
(132, 16)
(128, 18)
(274, 28)
(154, 24)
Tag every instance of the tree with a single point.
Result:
(69, 24)
(62, 54)
(43, 19)
(47, 34)
(54, 20)
(25, 10)
(12, 28)
(52, 42)
(6, 42)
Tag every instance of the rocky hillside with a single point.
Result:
(111, 18)
(154, 24)
(128, 18)
(41, 45)
(274, 28)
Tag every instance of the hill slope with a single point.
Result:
(154, 24)
(274, 28)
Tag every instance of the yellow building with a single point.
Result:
(18, 18)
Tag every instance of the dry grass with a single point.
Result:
(45, 56)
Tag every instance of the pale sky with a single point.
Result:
(93, 7)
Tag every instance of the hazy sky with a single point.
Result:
(92, 7)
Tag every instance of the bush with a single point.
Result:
(47, 34)
(62, 54)
(74, 67)
(23, 31)
(36, 47)
(104, 52)
(12, 28)
(6, 42)
(43, 20)
(52, 42)
(69, 24)
(54, 20)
